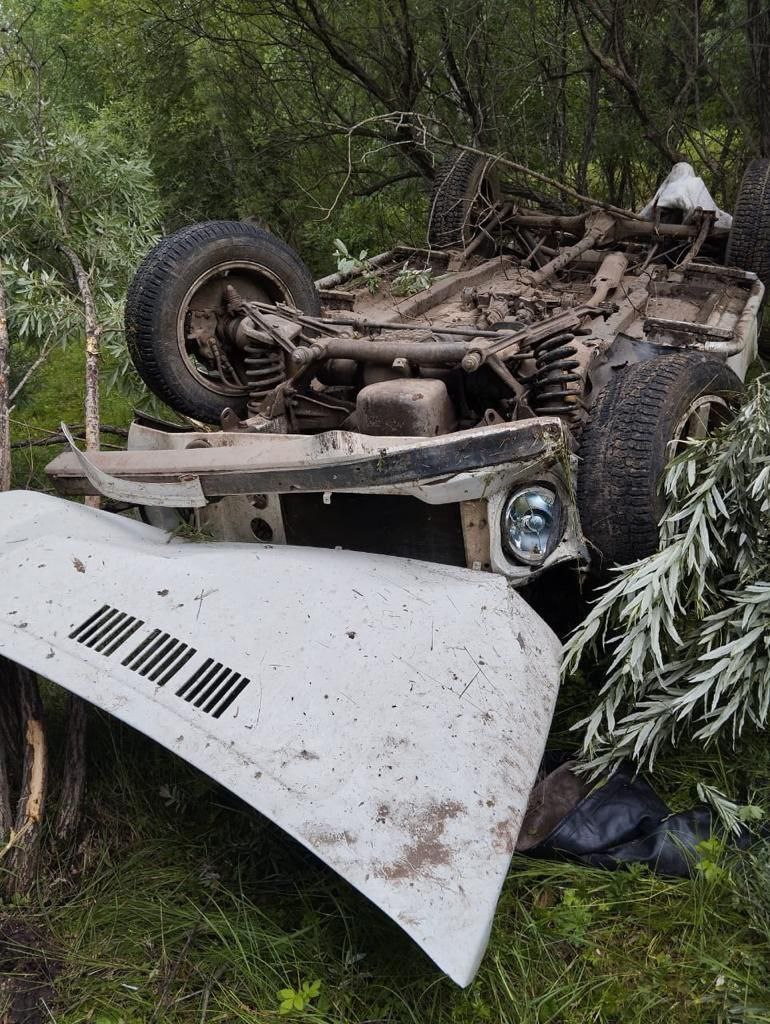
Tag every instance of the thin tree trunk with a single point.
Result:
(25, 841)
(93, 336)
(74, 771)
(5, 398)
(74, 774)
(9, 724)
(7, 696)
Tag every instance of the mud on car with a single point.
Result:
(513, 414)
(400, 442)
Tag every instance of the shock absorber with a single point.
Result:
(265, 370)
(557, 388)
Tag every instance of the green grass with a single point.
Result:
(180, 904)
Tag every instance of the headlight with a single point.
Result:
(531, 524)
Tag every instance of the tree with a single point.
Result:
(76, 213)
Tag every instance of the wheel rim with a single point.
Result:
(701, 418)
(255, 283)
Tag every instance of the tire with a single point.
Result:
(748, 245)
(462, 179)
(628, 441)
(213, 253)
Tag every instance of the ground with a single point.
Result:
(181, 905)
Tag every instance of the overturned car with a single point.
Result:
(450, 424)
(404, 451)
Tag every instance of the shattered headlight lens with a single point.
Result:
(531, 524)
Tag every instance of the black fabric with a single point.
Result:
(624, 821)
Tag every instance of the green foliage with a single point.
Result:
(67, 182)
(291, 1000)
(686, 632)
(359, 265)
(170, 904)
(411, 280)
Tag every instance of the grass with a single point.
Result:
(182, 906)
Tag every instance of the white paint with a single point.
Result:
(396, 711)
(182, 493)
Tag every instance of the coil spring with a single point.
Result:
(265, 370)
(557, 387)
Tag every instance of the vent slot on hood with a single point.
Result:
(159, 656)
(106, 630)
(213, 687)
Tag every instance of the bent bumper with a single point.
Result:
(472, 469)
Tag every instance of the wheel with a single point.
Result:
(748, 245)
(636, 427)
(465, 189)
(176, 311)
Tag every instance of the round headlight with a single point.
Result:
(531, 524)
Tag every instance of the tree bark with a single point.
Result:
(93, 332)
(9, 747)
(8, 719)
(758, 37)
(5, 397)
(74, 774)
(74, 771)
(24, 844)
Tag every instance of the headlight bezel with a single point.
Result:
(545, 500)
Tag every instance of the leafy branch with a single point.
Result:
(685, 633)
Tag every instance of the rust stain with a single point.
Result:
(78, 565)
(503, 836)
(427, 848)
(332, 838)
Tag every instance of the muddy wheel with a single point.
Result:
(465, 189)
(179, 289)
(637, 425)
(748, 246)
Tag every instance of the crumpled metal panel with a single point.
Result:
(389, 714)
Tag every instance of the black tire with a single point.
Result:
(748, 246)
(627, 443)
(157, 295)
(465, 185)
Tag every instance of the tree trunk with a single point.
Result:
(758, 33)
(74, 771)
(8, 720)
(5, 389)
(25, 840)
(93, 333)
(74, 774)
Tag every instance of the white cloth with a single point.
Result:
(684, 190)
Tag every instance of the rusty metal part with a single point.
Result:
(505, 347)
(623, 227)
(265, 370)
(225, 368)
(608, 277)
(707, 218)
(475, 523)
(362, 325)
(598, 227)
(557, 384)
(409, 408)
(427, 353)
(496, 312)
(240, 463)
